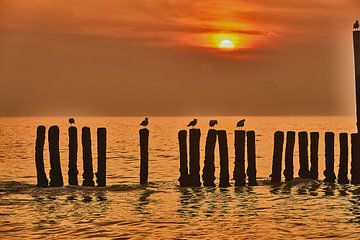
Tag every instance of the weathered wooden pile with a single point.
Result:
(56, 178)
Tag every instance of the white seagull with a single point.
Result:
(212, 123)
(72, 121)
(145, 122)
(193, 123)
(356, 25)
(240, 123)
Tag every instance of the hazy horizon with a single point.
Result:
(166, 58)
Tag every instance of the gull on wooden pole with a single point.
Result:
(356, 37)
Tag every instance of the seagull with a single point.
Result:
(72, 120)
(240, 123)
(356, 25)
(145, 122)
(212, 123)
(192, 123)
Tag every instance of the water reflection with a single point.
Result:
(191, 200)
(143, 201)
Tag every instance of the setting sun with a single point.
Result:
(227, 44)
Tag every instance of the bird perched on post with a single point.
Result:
(212, 123)
(356, 25)
(72, 121)
(145, 122)
(193, 123)
(240, 123)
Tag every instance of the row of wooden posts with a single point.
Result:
(190, 171)
(56, 178)
(312, 172)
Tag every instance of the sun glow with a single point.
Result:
(227, 44)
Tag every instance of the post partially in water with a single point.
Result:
(289, 156)
(224, 159)
(56, 179)
(194, 178)
(277, 157)
(208, 175)
(314, 159)
(356, 39)
(239, 165)
(355, 158)
(42, 180)
(144, 155)
(184, 172)
(344, 159)
(73, 151)
(101, 164)
(251, 153)
(88, 175)
(329, 157)
(303, 155)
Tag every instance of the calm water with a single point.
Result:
(300, 209)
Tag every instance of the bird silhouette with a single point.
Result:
(193, 123)
(72, 120)
(212, 123)
(240, 123)
(145, 122)
(356, 25)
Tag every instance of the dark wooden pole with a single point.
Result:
(224, 159)
(289, 156)
(73, 150)
(356, 37)
(314, 159)
(101, 164)
(88, 175)
(42, 180)
(329, 157)
(239, 168)
(184, 172)
(277, 156)
(208, 175)
(251, 154)
(144, 155)
(355, 158)
(303, 155)
(195, 157)
(344, 159)
(56, 179)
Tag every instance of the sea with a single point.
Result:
(300, 209)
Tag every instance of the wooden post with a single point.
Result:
(42, 180)
(289, 156)
(355, 158)
(239, 168)
(101, 164)
(56, 179)
(195, 157)
(208, 175)
(224, 159)
(329, 157)
(184, 172)
(144, 155)
(277, 156)
(344, 159)
(303, 155)
(314, 159)
(73, 150)
(88, 174)
(251, 153)
(356, 37)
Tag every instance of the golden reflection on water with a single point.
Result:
(298, 210)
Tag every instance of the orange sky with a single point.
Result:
(161, 57)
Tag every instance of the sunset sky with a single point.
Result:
(177, 57)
